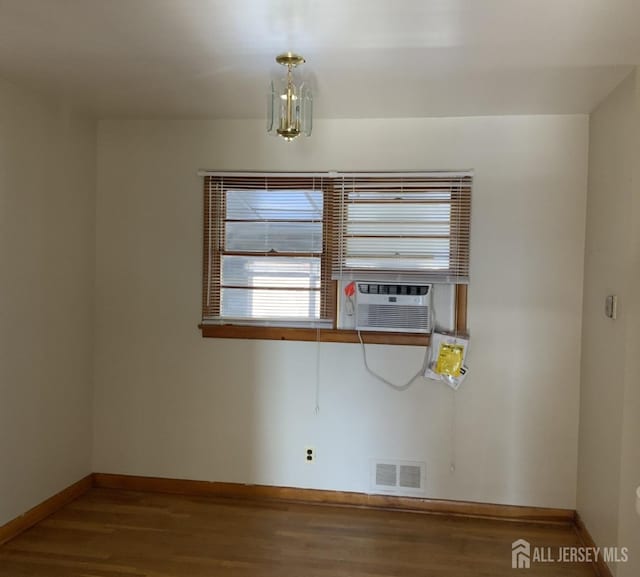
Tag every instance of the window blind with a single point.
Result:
(411, 226)
(265, 253)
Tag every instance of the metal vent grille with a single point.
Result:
(399, 317)
(386, 474)
(410, 477)
(398, 477)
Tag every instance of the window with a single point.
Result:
(265, 255)
(403, 227)
(277, 246)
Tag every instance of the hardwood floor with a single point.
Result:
(109, 533)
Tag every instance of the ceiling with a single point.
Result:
(365, 58)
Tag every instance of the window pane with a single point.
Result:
(302, 237)
(397, 229)
(274, 205)
(398, 236)
(272, 221)
(270, 304)
(398, 247)
(406, 193)
(435, 263)
(283, 272)
(386, 212)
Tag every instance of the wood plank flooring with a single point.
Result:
(109, 533)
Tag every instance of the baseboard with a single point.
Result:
(43, 510)
(600, 567)
(336, 498)
(295, 495)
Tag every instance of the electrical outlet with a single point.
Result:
(309, 454)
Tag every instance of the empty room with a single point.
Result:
(319, 288)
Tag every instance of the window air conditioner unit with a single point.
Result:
(401, 308)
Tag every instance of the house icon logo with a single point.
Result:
(521, 554)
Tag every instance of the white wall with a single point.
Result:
(604, 351)
(609, 465)
(47, 223)
(170, 403)
(629, 533)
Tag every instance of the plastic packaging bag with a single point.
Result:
(447, 359)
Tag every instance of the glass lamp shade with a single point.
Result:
(289, 108)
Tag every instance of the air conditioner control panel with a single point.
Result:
(394, 289)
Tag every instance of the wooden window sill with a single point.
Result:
(311, 334)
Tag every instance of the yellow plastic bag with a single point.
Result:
(450, 358)
(447, 361)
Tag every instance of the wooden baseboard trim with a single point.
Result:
(335, 498)
(600, 567)
(43, 510)
(296, 495)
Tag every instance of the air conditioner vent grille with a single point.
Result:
(400, 317)
(393, 308)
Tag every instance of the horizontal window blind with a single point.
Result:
(411, 226)
(273, 242)
(265, 254)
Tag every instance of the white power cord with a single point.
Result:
(389, 383)
(420, 373)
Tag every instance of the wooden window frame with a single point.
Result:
(315, 334)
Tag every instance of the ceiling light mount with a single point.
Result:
(290, 102)
(290, 59)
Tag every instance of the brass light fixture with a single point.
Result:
(290, 102)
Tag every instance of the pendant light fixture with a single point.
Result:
(290, 102)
